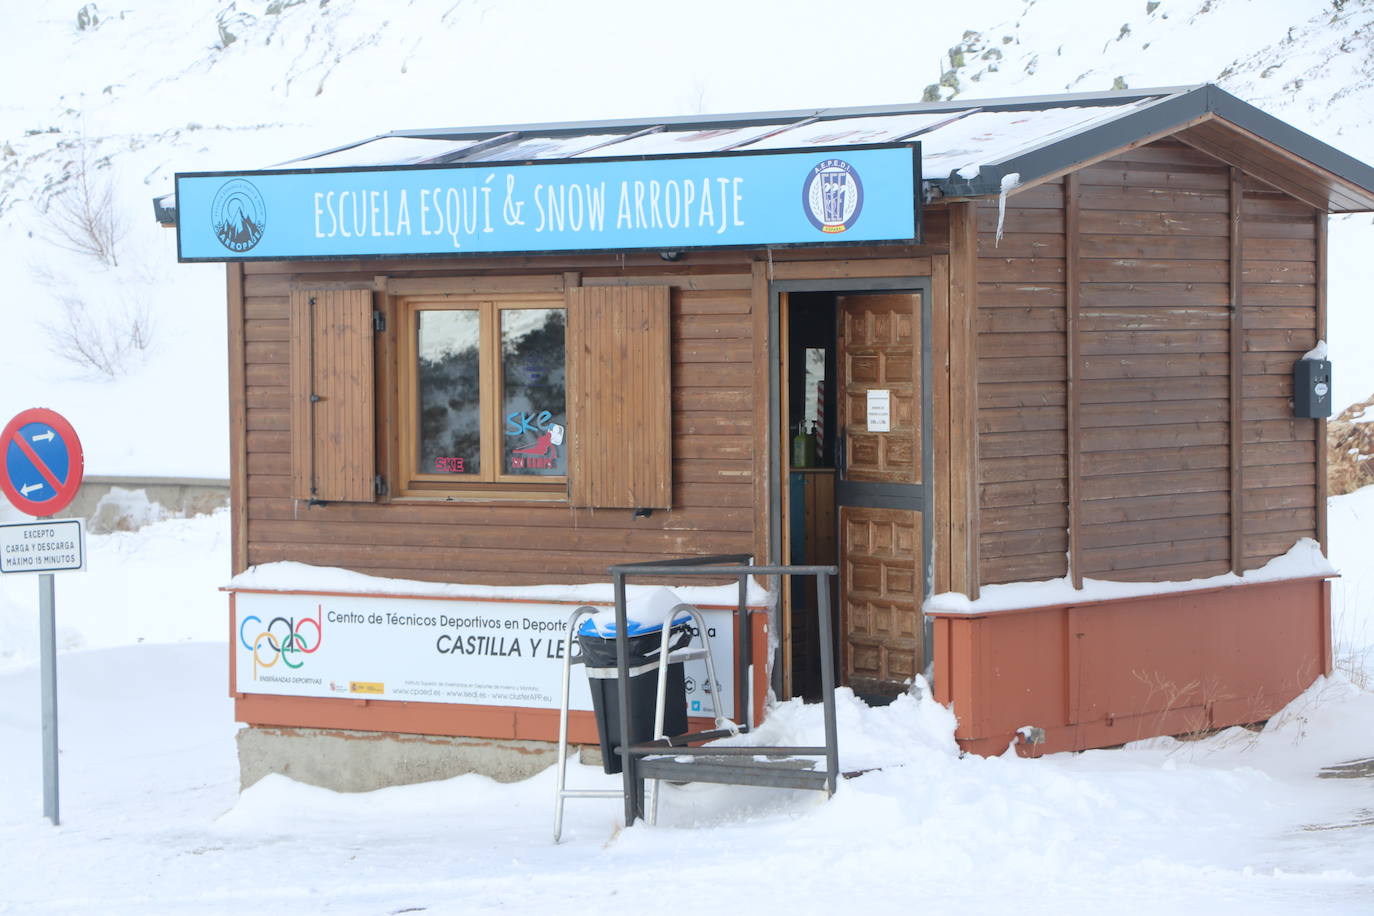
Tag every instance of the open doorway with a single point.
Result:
(854, 428)
(809, 446)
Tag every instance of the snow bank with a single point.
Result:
(154, 823)
(1350, 519)
(904, 732)
(123, 509)
(157, 584)
(1303, 560)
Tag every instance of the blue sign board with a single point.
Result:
(817, 197)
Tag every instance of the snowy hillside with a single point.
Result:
(149, 87)
(1309, 62)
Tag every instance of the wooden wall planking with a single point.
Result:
(1022, 387)
(1156, 441)
(1282, 280)
(716, 413)
(240, 397)
(719, 409)
(1320, 257)
(1186, 459)
(964, 393)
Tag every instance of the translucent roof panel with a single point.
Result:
(849, 131)
(544, 148)
(382, 151)
(664, 142)
(986, 137)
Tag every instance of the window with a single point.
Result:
(560, 395)
(484, 400)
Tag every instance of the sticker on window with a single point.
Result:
(542, 455)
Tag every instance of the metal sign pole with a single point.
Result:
(41, 469)
(47, 638)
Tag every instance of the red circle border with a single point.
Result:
(76, 462)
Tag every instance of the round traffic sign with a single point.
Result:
(41, 464)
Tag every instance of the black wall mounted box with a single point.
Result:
(1312, 388)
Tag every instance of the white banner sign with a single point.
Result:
(43, 547)
(484, 653)
(879, 410)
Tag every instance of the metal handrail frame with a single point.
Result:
(738, 567)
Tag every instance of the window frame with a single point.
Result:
(491, 482)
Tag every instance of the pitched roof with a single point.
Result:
(967, 146)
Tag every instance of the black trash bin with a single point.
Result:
(644, 642)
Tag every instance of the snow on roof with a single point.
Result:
(548, 147)
(382, 151)
(985, 137)
(967, 147)
(696, 140)
(849, 131)
(954, 138)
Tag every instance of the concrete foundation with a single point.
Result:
(356, 761)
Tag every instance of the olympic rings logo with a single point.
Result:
(283, 639)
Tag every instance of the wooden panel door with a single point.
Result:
(880, 494)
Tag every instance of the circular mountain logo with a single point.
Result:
(833, 195)
(238, 215)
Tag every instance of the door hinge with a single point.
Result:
(378, 320)
(379, 485)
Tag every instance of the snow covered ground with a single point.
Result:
(1235, 824)
(153, 821)
(152, 818)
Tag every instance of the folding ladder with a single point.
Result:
(680, 613)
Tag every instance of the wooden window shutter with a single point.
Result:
(620, 397)
(332, 385)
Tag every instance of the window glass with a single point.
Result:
(449, 389)
(533, 400)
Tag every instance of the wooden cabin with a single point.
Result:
(1064, 348)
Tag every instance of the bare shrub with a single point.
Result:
(1350, 449)
(103, 343)
(83, 216)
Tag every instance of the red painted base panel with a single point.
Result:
(1106, 673)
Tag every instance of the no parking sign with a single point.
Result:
(43, 464)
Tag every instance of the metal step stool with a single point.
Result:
(680, 613)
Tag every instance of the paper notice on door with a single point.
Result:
(879, 410)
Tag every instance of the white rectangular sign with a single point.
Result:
(484, 653)
(43, 547)
(879, 410)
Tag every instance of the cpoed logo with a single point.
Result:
(284, 639)
(833, 196)
(238, 215)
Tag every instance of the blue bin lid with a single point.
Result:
(590, 626)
